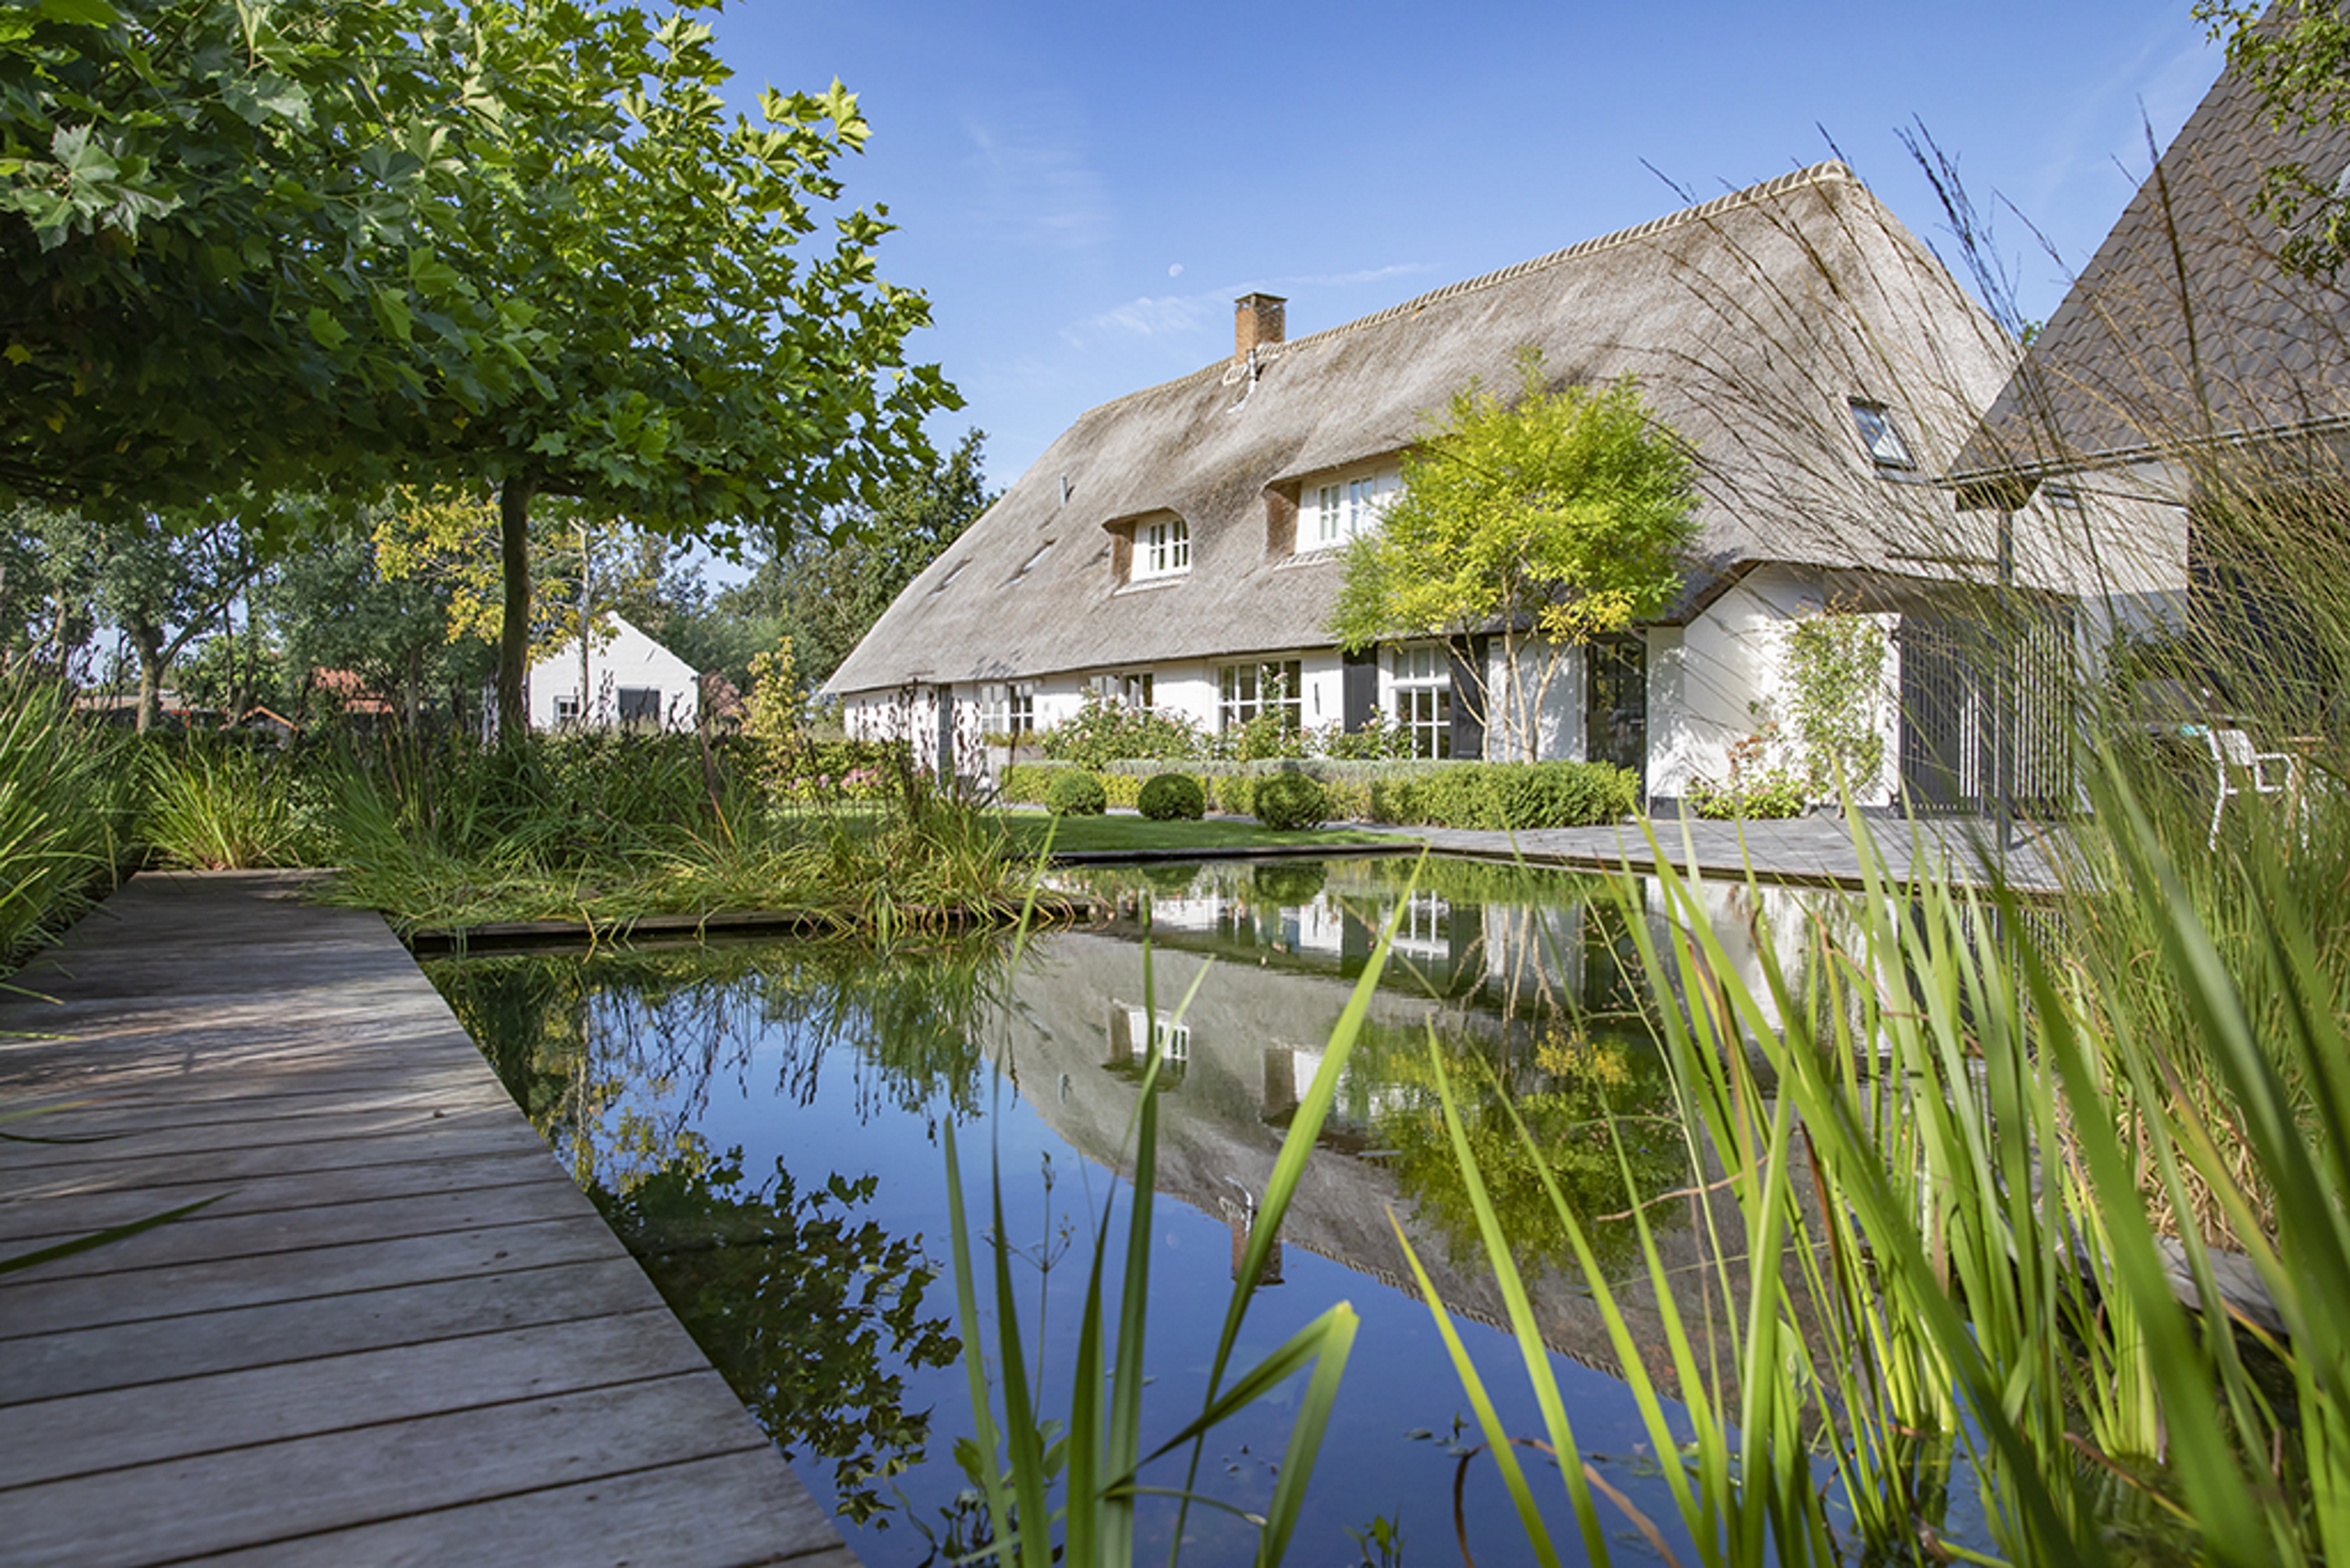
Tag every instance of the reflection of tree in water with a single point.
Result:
(1579, 1094)
(612, 1053)
(804, 1310)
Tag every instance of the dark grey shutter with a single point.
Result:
(1468, 698)
(1358, 698)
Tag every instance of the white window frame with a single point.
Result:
(1008, 707)
(1348, 506)
(1240, 692)
(1425, 929)
(566, 710)
(1162, 549)
(1421, 696)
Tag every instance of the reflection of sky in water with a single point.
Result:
(750, 1048)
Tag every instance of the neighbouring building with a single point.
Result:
(1179, 548)
(2191, 373)
(631, 682)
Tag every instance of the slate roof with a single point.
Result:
(2183, 328)
(1750, 320)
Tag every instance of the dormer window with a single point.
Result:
(1347, 507)
(1162, 549)
(1879, 435)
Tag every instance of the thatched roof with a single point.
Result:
(2184, 330)
(1751, 322)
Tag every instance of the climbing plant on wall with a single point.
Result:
(1835, 672)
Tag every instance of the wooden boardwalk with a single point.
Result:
(400, 1336)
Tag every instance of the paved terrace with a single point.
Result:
(400, 1334)
(1813, 850)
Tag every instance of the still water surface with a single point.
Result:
(761, 1122)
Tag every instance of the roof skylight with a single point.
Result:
(1887, 448)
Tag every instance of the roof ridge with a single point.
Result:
(1830, 171)
(1827, 172)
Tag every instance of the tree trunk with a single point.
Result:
(514, 636)
(148, 642)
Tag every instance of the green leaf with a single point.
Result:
(329, 333)
(81, 13)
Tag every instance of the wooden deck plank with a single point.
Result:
(316, 1128)
(216, 1502)
(97, 1206)
(203, 1238)
(89, 1433)
(628, 1522)
(159, 1350)
(42, 1304)
(227, 1168)
(405, 1336)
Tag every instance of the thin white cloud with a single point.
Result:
(2158, 84)
(1036, 185)
(1182, 315)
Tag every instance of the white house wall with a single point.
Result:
(1730, 675)
(623, 657)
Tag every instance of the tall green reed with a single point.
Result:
(65, 811)
(1932, 1133)
(1083, 1473)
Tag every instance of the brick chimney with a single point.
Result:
(1256, 322)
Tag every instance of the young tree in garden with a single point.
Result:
(1544, 522)
(700, 374)
(213, 279)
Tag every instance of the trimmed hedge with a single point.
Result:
(1076, 793)
(1516, 796)
(1291, 802)
(1172, 797)
(1493, 796)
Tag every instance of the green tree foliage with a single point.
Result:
(2298, 60)
(46, 582)
(1593, 1105)
(827, 588)
(246, 247)
(1544, 520)
(164, 581)
(215, 268)
(336, 608)
(703, 368)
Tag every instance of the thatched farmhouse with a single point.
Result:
(2192, 368)
(1178, 547)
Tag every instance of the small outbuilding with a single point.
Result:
(627, 681)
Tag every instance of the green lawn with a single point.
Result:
(1118, 833)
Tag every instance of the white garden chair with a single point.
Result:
(2233, 757)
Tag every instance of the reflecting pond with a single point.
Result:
(760, 1122)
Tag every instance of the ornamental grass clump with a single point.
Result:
(65, 811)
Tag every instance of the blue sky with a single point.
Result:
(1083, 189)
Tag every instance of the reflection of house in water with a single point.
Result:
(1249, 1044)
(1570, 955)
(1506, 973)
